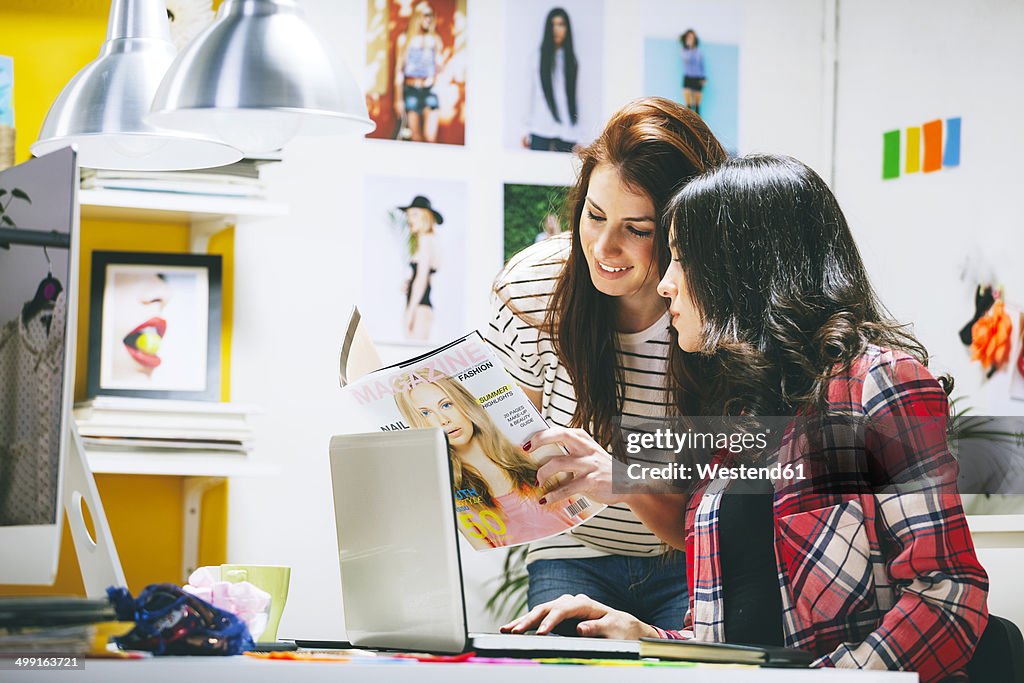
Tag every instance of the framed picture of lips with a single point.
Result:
(154, 325)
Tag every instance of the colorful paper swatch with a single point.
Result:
(930, 147)
(891, 155)
(932, 131)
(952, 155)
(913, 156)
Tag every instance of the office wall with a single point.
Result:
(297, 276)
(930, 238)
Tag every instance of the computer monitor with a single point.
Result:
(43, 470)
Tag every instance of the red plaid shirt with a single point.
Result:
(869, 579)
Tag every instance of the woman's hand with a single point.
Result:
(525, 141)
(589, 463)
(598, 621)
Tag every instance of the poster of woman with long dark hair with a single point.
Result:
(553, 74)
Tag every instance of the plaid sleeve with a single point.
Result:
(941, 589)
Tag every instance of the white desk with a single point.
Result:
(249, 670)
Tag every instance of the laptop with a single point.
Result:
(401, 574)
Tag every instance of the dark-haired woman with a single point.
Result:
(694, 76)
(867, 559)
(579, 323)
(552, 109)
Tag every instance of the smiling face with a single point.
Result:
(690, 39)
(138, 323)
(686, 318)
(617, 231)
(438, 410)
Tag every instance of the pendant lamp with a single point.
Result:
(255, 78)
(103, 107)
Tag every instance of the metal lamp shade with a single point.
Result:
(255, 77)
(102, 108)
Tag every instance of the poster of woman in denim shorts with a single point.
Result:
(416, 72)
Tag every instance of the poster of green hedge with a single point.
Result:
(533, 213)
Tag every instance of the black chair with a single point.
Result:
(1000, 654)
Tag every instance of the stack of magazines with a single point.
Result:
(64, 625)
(139, 425)
(240, 179)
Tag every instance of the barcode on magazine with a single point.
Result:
(578, 507)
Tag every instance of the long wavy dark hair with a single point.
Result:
(547, 64)
(656, 145)
(771, 265)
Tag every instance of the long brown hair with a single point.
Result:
(656, 146)
(521, 470)
(771, 265)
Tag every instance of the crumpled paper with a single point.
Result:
(250, 603)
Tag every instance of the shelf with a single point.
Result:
(199, 472)
(168, 207)
(180, 464)
(996, 523)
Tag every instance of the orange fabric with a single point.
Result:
(990, 338)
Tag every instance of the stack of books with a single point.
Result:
(139, 425)
(723, 653)
(240, 179)
(46, 624)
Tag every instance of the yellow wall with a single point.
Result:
(50, 40)
(49, 47)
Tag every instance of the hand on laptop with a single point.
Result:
(586, 460)
(597, 620)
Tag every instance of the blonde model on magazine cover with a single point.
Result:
(578, 322)
(492, 476)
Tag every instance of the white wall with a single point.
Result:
(926, 237)
(296, 277)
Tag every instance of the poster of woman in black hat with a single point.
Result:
(413, 266)
(424, 262)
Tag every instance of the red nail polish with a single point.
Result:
(542, 501)
(527, 446)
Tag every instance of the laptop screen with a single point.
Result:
(397, 541)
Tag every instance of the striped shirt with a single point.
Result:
(526, 286)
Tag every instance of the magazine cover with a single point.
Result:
(464, 389)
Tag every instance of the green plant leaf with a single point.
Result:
(510, 596)
(20, 194)
(2, 192)
(7, 220)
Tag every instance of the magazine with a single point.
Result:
(464, 389)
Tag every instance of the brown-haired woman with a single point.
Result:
(579, 323)
(860, 554)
